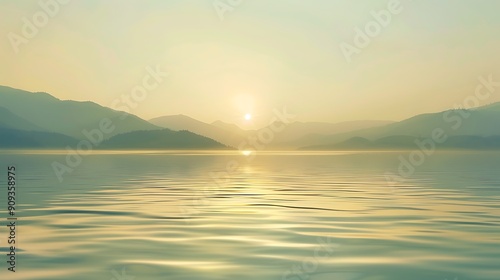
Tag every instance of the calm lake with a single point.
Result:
(278, 215)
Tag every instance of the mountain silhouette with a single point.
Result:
(291, 136)
(465, 128)
(225, 135)
(71, 118)
(226, 126)
(232, 135)
(13, 121)
(463, 142)
(161, 139)
(22, 139)
(40, 121)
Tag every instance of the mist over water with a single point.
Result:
(160, 215)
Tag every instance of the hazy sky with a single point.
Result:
(263, 55)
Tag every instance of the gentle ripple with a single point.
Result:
(160, 215)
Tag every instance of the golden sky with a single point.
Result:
(253, 56)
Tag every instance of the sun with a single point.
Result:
(248, 117)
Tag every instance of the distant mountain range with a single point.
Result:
(42, 111)
(232, 135)
(463, 142)
(41, 121)
(476, 128)
(220, 132)
(164, 139)
(21, 139)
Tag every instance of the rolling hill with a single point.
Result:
(161, 139)
(225, 135)
(49, 114)
(13, 121)
(232, 135)
(41, 121)
(482, 121)
(291, 136)
(22, 139)
(463, 142)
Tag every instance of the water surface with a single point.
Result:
(174, 215)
